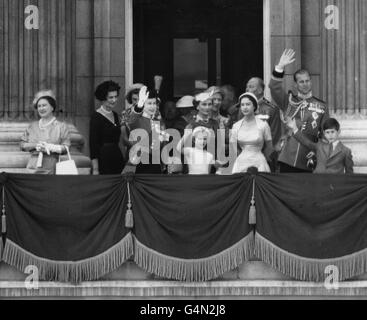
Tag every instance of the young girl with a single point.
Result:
(199, 160)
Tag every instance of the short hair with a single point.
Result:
(104, 88)
(50, 100)
(261, 82)
(331, 123)
(299, 72)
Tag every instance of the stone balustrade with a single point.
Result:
(354, 136)
(13, 160)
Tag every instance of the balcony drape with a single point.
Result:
(187, 228)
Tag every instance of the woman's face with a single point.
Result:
(205, 107)
(247, 107)
(150, 106)
(111, 99)
(217, 102)
(44, 108)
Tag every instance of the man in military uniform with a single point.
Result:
(310, 114)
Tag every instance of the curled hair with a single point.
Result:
(50, 100)
(104, 88)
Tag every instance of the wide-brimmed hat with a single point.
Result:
(185, 102)
(203, 96)
(135, 86)
(214, 90)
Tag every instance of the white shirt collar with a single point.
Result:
(335, 143)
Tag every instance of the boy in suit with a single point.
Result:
(332, 155)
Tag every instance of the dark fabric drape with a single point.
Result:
(307, 222)
(188, 228)
(74, 221)
(186, 218)
(2, 216)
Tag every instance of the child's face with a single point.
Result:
(201, 141)
(331, 135)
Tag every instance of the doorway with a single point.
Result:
(196, 44)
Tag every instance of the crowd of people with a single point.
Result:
(207, 132)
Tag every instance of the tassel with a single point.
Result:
(3, 216)
(129, 218)
(252, 211)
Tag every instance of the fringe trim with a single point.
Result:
(193, 269)
(70, 271)
(307, 269)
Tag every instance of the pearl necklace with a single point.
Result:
(107, 115)
(105, 111)
(43, 126)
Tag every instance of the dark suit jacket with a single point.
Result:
(339, 162)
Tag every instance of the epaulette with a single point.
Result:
(319, 99)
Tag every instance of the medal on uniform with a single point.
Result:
(315, 115)
(314, 124)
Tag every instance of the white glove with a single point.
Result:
(54, 148)
(143, 96)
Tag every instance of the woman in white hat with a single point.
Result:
(186, 112)
(252, 135)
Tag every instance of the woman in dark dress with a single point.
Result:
(105, 132)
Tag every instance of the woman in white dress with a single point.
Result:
(253, 137)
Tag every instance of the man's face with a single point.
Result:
(331, 135)
(254, 86)
(303, 83)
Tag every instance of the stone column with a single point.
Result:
(285, 26)
(109, 44)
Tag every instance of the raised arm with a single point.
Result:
(276, 83)
(139, 107)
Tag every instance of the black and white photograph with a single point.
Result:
(193, 150)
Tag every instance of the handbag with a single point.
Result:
(67, 166)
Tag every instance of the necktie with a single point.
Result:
(330, 149)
